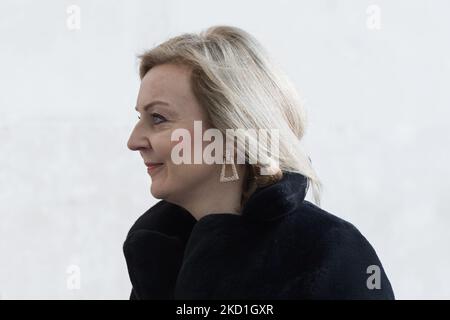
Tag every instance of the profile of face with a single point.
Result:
(166, 102)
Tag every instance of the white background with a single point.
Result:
(378, 104)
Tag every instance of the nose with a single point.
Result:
(137, 140)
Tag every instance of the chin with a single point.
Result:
(156, 193)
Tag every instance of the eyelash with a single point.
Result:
(157, 115)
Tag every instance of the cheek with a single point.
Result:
(190, 172)
(170, 147)
(179, 141)
(162, 147)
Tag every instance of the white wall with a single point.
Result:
(378, 104)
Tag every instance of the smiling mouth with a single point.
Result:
(151, 168)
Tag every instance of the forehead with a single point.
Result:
(167, 81)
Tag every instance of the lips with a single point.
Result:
(151, 166)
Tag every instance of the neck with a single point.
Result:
(215, 197)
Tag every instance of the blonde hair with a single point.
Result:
(241, 88)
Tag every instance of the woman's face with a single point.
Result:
(170, 83)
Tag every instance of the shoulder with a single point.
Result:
(326, 228)
(316, 226)
(346, 266)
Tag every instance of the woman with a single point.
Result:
(234, 229)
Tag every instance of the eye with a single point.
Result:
(158, 116)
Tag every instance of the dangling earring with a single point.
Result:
(235, 175)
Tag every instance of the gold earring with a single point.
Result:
(235, 175)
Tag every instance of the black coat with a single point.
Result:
(280, 247)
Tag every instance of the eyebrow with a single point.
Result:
(151, 104)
